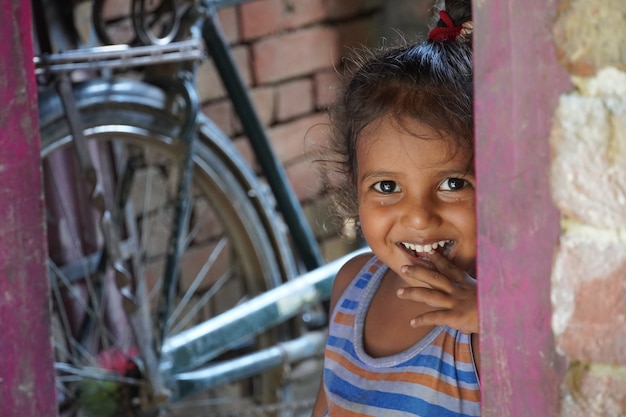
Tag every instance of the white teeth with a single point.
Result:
(426, 248)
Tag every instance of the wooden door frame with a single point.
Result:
(26, 371)
(517, 85)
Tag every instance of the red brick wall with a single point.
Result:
(290, 55)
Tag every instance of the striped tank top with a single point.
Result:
(436, 377)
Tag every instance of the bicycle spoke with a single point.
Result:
(202, 302)
(197, 281)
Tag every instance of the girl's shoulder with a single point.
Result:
(346, 275)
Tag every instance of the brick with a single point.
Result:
(148, 178)
(303, 178)
(263, 100)
(118, 11)
(115, 9)
(210, 86)
(294, 98)
(356, 33)
(204, 222)
(405, 20)
(322, 219)
(261, 18)
(294, 54)
(243, 146)
(341, 9)
(229, 23)
(159, 226)
(588, 142)
(303, 13)
(208, 83)
(326, 88)
(594, 390)
(222, 113)
(589, 35)
(193, 262)
(589, 295)
(294, 139)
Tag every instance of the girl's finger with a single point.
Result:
(464, 323)
(429, 277)
(431, 297)
(446, 267)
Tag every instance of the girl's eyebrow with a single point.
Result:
(373, 174)
(465, 172)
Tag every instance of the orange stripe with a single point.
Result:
(446, 342)
(343, 318)
(428, 381)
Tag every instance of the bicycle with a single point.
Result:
(136, 180)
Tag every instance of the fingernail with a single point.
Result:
(404, 269)
(400, 291)
(413, 323)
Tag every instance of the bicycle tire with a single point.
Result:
(132, 117)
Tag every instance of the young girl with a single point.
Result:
(404, 329)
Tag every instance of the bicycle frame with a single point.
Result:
(196, 346)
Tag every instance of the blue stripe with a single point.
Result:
(349, 304)
(436, 363)
(386, 400)
(341, 343)
(362, 282)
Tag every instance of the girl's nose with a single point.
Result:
(419, 213)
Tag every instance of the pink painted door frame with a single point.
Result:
(518, 82)
(26, 366)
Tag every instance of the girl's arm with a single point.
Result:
(345, 275)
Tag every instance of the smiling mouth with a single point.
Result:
(443, 247)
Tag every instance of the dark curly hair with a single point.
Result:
(429, 81)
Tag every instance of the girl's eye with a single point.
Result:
(386, 187)
(453, 184)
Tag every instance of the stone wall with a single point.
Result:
(588, 178)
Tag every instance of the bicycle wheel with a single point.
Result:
(233, 248)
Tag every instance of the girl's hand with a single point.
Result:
(452, 292)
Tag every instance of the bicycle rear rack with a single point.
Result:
(119, 57)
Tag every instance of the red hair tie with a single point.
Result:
(448, 33)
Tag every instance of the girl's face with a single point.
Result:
(416, 191)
